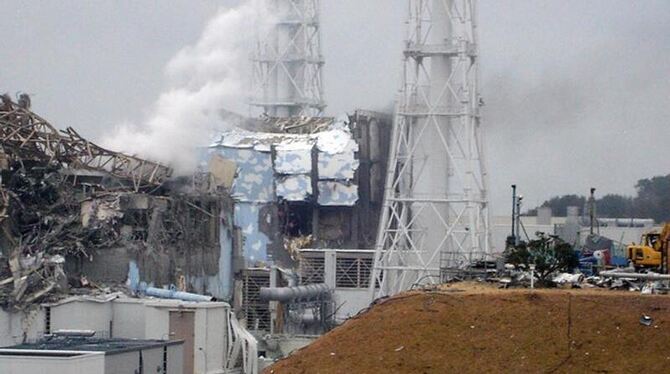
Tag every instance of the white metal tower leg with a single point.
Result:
(435, 212)
(287, 61)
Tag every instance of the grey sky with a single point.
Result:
(577, 92)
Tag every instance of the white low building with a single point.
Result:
(211, 335)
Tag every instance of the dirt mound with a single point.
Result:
(465, 329)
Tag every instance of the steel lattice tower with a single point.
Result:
(435, 214)
(287, 61)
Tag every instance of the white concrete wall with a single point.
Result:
(499, 233)
(129, 320)
(501, 229)
(350, 301)
(175, 359)
(90, 363)
(82, 315)
(626, 235)
(157, 323)
(17, 327)
(210, 330)
(94, 362)
(210, 338)
(128, 362)
(133, 319)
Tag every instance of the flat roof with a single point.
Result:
(88, 344)
(119, 297)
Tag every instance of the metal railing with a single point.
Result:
(352, 268)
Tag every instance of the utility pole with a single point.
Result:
(592, 210)
(514, 233)
(519, 198)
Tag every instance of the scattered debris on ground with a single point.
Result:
(647, 282)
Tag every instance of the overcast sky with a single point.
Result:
(577, 92)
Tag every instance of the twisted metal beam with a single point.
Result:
(25, 135)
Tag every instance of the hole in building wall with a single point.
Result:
(335, 225)
(295, 219)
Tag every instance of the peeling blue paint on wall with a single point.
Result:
(133, 275)
(260, 180)
(294, 187)
(253, 189)
(337, 193)
(293, 161)
(255, 242)
(254, 180)
(225, 259)
(340, 163)
(219, 285)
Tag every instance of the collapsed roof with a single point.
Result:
(25, 135)
(65, 200)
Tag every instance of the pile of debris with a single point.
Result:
(627, 279)
(63, 198)
(618, 279)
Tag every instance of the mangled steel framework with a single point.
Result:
(74, 215)
(25, 135)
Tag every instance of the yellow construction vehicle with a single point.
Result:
(652, 250)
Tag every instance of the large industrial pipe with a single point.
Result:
(174, 294)
(625, 222)
(289, 294)
(649, 276)
(74, 333)
(514, 213)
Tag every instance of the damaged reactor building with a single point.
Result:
(268, 244)
(300, 241)
(277, 226)
(305, 190)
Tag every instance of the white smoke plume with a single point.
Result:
(203, 78)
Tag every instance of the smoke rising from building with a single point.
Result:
(605, 58)
(202, 79)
